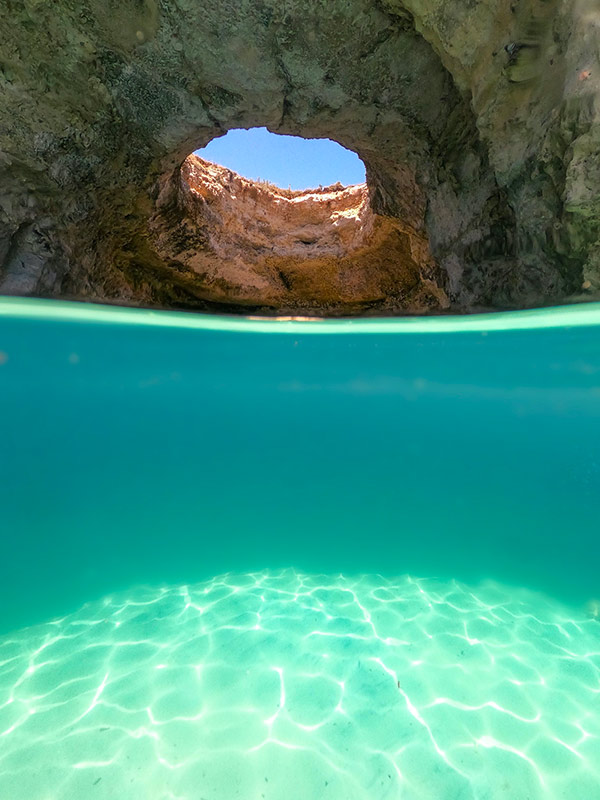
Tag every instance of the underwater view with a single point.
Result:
(299, 400)
(284, 559)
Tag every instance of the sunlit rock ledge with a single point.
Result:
(255, 244)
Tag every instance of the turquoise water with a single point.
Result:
(296, 560)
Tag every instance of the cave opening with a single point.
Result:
(477, 189)
(276, 223)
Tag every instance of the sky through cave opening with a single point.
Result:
(286, 161)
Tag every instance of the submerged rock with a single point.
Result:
(477, 123)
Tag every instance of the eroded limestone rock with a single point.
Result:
(238, 242)
(477, 122)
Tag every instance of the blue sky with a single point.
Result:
(285, 160)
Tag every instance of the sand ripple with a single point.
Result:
(287, 686)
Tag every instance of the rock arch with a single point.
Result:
(476, 122)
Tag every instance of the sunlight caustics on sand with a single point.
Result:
(279, 684)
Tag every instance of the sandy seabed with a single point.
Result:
(289, 686)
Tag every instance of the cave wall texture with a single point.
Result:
(478, 122)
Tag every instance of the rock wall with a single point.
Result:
(477, 122)
(236, 242)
